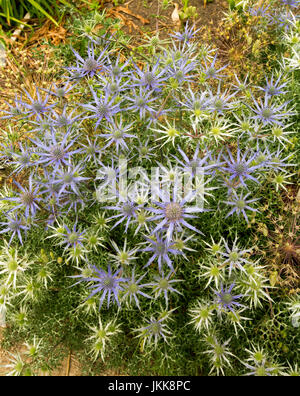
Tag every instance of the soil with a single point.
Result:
(69, 367)
(152, 17)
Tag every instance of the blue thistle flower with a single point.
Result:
(14, 225)
(277, 162)
(241, 167)
(152, 78)
(180, 51)
(51, 190)
(274, 88)
(91, 151)
(104, 107)
(140, 102)
(173, 213)
(241, 86)
(210, 71)
(195, 102)
(116, 70)
(69, 179)
(43, 125)
(260, 11)
(90, 65)
(117, 135)
(72, 238)
(128, 212)
(72, 202)
(28, 198)
(160, 248)
(262, 157)
(220, 102)
(179, 70)
(269, 113)
(240, 205)
(226, 300)
(195, 164)
(59, 91)
(23, 160)
(187, 35)
(55, 153)
(14, 111)
(107, 283)
(63, 119)
(37, 107)
(114, 86)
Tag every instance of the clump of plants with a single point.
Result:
(131, 227)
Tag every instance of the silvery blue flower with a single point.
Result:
(27, 199)
(91, 65)
(268, 113)
(210, 71)
(102, 108)
(226, 299)
(172, 213)
(241, 167)
(53, 152)
(108, 283)
(37, 107)
(14, 225)
(160, 248)
(240, 204)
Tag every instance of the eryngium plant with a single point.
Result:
(133, 279)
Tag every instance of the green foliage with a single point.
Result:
(15, 10)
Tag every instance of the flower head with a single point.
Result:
(187, 35)
(38, 106)
(240, 168)
(14, 225)
(241, 204)
(172, 213)
(164, 284)
(91, 65)
(133, 288)
(53, 152)
(117, 133)
(27, 199)
(151, 78)
(226, 300)
(210, 71)
(235, 256)
(101, 108)
(160, 248)
(269, 113)
(154, 330)
(274, 88)
(108, 283)
(128, 212)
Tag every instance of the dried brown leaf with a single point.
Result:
(131, 13)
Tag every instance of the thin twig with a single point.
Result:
(68, 364)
